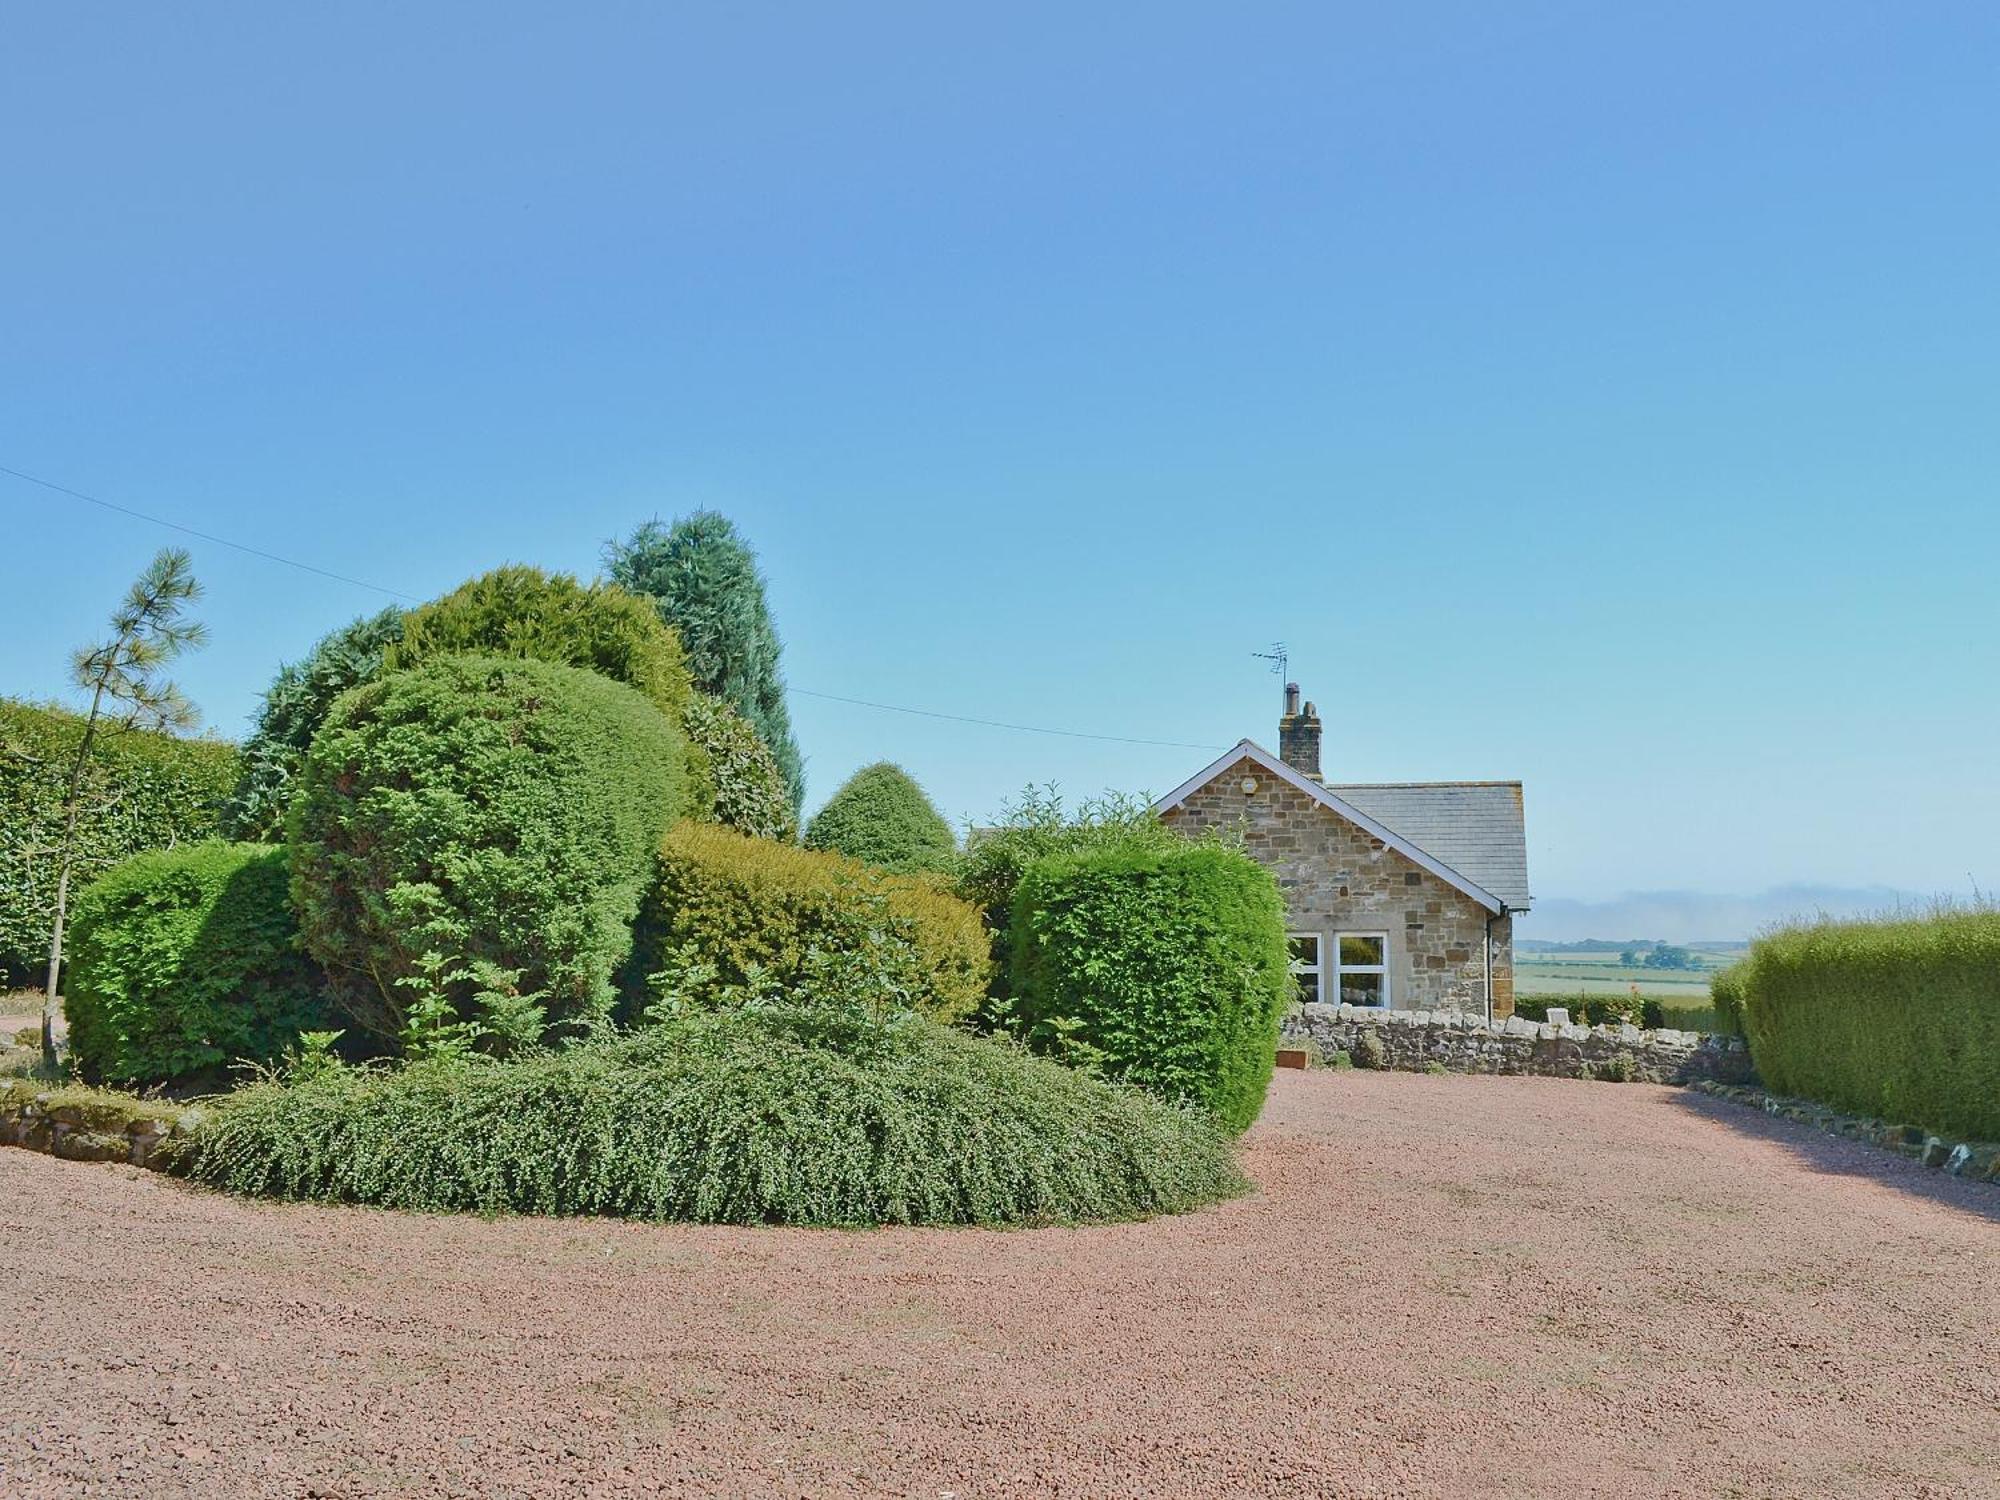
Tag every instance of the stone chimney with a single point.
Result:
(1298, 735)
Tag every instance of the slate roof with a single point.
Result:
(1470, 832)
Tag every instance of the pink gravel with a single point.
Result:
(1444, 1286)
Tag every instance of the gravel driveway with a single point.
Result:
(1444, 1286)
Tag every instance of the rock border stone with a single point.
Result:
(82, 1124)
(1978, 1161)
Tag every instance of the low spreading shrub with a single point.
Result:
(470, 843)
(731, 917)
(733, 779)
(182, 961)
(812, 1116)
(143, 790)
(1896, 1019)
(1166, 967)
(882, 817)
(524, 613)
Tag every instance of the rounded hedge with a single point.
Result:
(1166, 967)
(882, 816)
(168, 792)
(761, 1116)
(729, 916)
(525, 613)
(733, 779)
(182, 961)
(480, 831)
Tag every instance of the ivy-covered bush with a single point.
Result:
(731, 917)
(526, 613)
(294, 706)
(182, 961)
(470, 843)
(766, 1115)
(1895, 1019)
(882, 817)
(732, 777)
(143, 791)
(1164, 967)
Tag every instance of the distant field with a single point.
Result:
(1602, 974)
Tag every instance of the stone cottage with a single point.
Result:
(1400, 894)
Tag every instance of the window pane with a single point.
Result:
(1361, 989)
(1360, 951)
(1308, 983)
(1305, 948)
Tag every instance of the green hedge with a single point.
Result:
(147, 791)
(760, 1116)
(729, 914)
(1166, 967)
(882, 817)
(1896, 1019)
(476, 833)
(182, 961)
(733, 779)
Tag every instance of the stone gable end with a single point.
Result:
(1338, 877)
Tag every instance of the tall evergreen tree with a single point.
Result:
(703, 577)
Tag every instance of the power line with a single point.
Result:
(362, 583)
(1073, 734)
(220, 541)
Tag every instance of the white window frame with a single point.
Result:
(1342, 968)
(1299, 968)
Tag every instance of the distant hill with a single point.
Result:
(1619, 945)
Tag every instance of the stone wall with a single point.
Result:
(1338, 878)
(92, 1125)
(1419, 1040)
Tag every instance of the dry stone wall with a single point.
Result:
(1420, 1040)
(88, 1125)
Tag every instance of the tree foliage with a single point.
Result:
(733, 780)
(145, 790)
(185, 960)
(293, 708)
(470, 843)
(882, 817)
(704, 580)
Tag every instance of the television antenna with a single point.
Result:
(1279, 659)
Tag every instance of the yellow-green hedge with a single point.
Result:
(1900, 1020)
(753, 912)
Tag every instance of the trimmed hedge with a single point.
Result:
(733, 779)
(501, 815)
(147, 791)
(527, 614)
(729, 914)
(182, 961)
(762, 1116)
(1165, 967)
(882, 817)
(1895, 1019)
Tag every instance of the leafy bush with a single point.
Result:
(882, 817)
(470, 843)
(524, 613)
(294, 706)
(1896, 1019)
(144, 790)
(1725, 993)
(732, 778)
(751, 1116)
(1034, 828)
(185, 960)
(703, 578)
(730, 917)
(1170, 964)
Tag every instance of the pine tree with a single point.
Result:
(703, 577)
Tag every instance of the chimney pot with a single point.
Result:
(1291, 698)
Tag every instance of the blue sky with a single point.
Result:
(1599, 398)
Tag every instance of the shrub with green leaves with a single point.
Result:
(1725, 993)
(525, 613)
(183, 961)
(882, 817)
(1895, 1019)
(732, 778)
(1168, 967)
(731, 918)
(470, 843)
(811, 1116)
(142, 790)
(293, 708)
